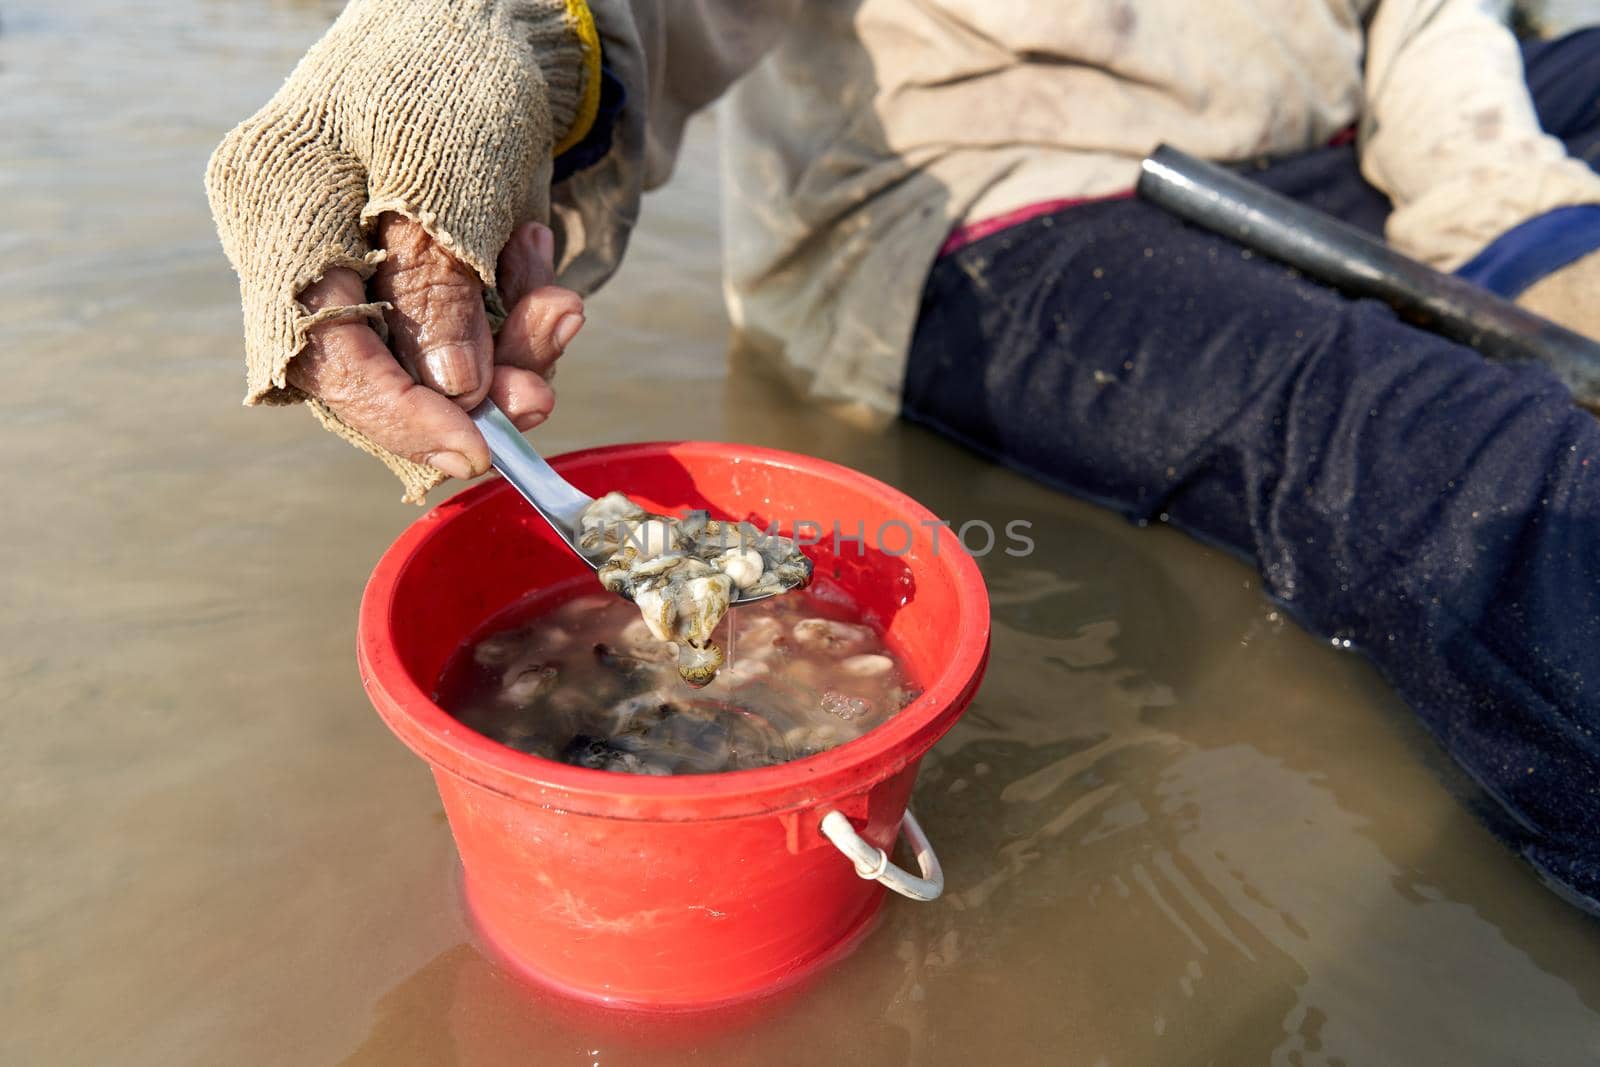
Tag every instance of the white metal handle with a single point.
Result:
(873, 863)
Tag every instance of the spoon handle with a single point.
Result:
(521, 465)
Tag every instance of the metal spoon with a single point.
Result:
(551, 495)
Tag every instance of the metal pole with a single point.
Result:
(1350, 260)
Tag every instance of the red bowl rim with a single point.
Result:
(850, 768)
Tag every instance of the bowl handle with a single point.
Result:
(873, 863)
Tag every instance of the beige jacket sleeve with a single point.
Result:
(1449, 132)
(673, 57)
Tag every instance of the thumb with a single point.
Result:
(437, 326)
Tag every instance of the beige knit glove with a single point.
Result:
(443, 111)
(1569, 296)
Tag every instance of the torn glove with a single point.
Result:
(445, 111)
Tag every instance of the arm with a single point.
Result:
(671, 57)
(1449, 132)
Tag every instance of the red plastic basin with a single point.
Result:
(688, 891)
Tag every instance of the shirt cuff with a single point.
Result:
(1543, 245)
(596, 141)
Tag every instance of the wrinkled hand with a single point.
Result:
(448, 112)
(412, 396)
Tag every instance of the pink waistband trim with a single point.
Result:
(965, 234)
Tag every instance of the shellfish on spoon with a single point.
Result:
(777, 565)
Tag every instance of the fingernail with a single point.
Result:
(453, 368)
(545, 241)
(529, 419)
(567, 328)
(452, 463)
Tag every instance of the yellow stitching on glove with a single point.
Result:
(582, 23)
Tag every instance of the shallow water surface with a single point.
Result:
(1175, 829)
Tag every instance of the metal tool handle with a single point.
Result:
(1351, 260)
(521, 465)
(873, 863)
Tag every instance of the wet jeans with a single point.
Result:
(1394, 489)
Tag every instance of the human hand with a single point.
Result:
(411, 396)
(1569, 296)
(446, 112)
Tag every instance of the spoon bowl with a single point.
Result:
(552, 496)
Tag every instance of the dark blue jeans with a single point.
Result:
(1393, 488)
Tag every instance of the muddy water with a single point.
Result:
(1175, 829)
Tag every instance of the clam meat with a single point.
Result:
(682, 574)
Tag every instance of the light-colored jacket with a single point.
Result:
(857, 133)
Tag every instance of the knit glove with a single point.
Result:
(1569, 296)
(444, 111)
